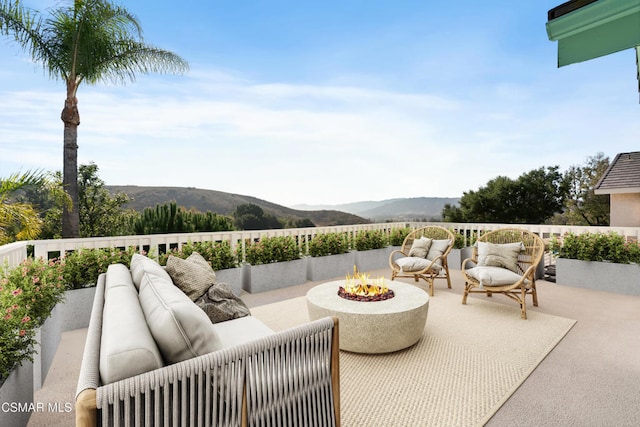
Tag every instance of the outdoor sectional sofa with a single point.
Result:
(153, 357)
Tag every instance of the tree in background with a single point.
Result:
(92, 41)
(533, 198)
(101, 213)
(583, 206)
(171, 218)
(252, 217)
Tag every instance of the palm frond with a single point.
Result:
(30, 31)
(18, 181)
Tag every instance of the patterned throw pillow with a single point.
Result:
(194, 276)
(220, 304)
(503, 255)
(420, 247)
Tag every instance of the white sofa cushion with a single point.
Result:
(420, 247)
(194, 275)
(141, 264)
(240, 331)
(500, 255)
(410, 264)
(127, 347)
(180, 328)
(494, 276)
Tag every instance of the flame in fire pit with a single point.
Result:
(361, 287)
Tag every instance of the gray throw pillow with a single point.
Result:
(194, 276)
(221, 304)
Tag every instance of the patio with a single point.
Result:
(590, 379)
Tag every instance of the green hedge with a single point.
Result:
(611, 247)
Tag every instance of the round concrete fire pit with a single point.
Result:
(373, 327)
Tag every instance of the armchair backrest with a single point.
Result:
(431, 232)
(533, 245)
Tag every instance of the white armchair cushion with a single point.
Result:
(420, 247)
(500, 255)
(493, 276)
(410, 264)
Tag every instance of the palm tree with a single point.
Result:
(19, 221)
(92, 41)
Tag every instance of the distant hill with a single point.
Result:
(225, 203)
(392, 209)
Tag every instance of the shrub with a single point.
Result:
(218, 254)
(271, 249)
(83, 266)
(328, 244)
(610, 247)
(460, 242)
(370, 239)
(28, 293)
(398, 235)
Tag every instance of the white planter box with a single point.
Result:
(601, 276)
(232, 277)
(330, 266)
(72, 313)
(373, 259)
(75, 311)
(267, 277)
(16, 396)
(48, 337)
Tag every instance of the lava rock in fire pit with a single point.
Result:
(365, 298)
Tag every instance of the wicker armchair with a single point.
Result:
(427, 266)
(504, 261)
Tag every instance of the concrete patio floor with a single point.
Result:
(591, 378)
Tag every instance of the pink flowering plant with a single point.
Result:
(28, 293)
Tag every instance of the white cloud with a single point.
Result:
(313, 143)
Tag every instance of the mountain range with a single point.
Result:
(321, 215)
(429, 208)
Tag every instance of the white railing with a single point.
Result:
(13, 253)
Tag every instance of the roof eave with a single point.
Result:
(626, 190)
(580, 32)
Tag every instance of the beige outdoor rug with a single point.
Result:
(469, 361)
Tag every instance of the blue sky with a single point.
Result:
(333, 101)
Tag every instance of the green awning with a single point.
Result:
(589, 29)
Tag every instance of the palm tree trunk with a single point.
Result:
(71, 119)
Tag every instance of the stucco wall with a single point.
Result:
(625, 210)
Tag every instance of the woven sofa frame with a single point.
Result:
(288, 378)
